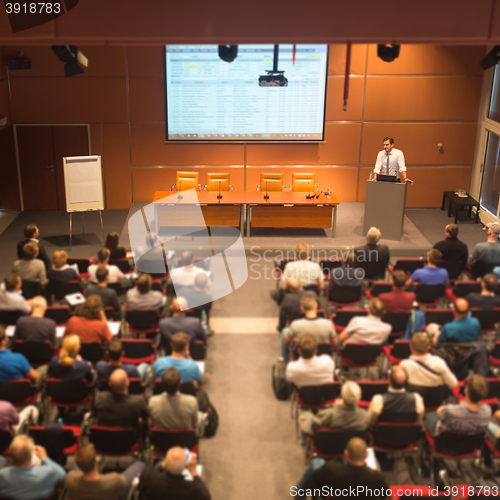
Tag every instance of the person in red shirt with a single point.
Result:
(398, 300)
(90, 324)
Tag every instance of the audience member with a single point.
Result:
(29, 268)
(108, 296)
(488, 252)
(369, 329)
(180, 359)
(398, 300)
(173, 410)
(69, 365)
(396, 405)
(310, 369)
(290, 307)
(426, 369)
(451, 248)
(31, 233)
(60, 271)
(115, 252)
(32, 475)
(13, 364)
(115, 275)
(372, 251)
(347, 275)
(198, 297)
(88, 484)
(463, 328)
(320, 328)
(118, 408)
(486, 299)
(170, 482)
(185, 275)
(307, 272)
(345, 414)
(339, 476)
(36, 328)
(430, 274)
(179, 322)
(10, 419)
(114, 354)
(142, 298)
(90, 324)
(11, 298)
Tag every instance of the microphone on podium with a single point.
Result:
(179, 196)
(266, 196)
(219, 196)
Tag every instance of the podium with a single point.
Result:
(385, 208)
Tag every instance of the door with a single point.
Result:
(490, 185)
(41, 150)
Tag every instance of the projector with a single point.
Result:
(273, 79)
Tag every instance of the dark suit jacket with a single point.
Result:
(42, 254)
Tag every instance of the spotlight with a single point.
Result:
(70, 56)
(228, 53)
(388, 52)
(491, 59)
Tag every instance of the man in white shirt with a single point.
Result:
(114, 276)
(185, 275)
(391, 161)
(310, 369)
(370, 329)
(307, 272)
(424, 368)
(10, 295)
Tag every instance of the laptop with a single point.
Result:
(387, 178)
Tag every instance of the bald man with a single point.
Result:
(118, 408)
(396, 405)
(170, 483)
(179, 322)
(336, 475)
(463, 328)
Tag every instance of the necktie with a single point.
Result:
(387, 163)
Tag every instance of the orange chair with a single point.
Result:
(273, 182)
(186, 180)
(303, 183)
(214, 180)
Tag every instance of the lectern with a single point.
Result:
(385, 208)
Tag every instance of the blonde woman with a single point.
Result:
(60, 271)
(69, 364)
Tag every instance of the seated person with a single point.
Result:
(32, 475)
(369, 329)
(426, 369)
(396, 405)
(451, 248)
(30, 268)
(179, 322)
(32, 233)
(114, 354)
(185, 275)
(91, 323)
(69, 365)
(463, 328)
(198, 297)
(115, 251)
(347, 275)
(10, 419)
(310, 369)
(87, 483)
(108, 296)
(290, 307)
(372, 251)
(36, 328)
(398, 300)
(307, 272)
(115, 275)
(487, 298)
(488, 252)
(430, 274)
(321, 328)
(13, 364)
(142, 298)
(173, 410)
(11, 298)
(468, 417)
(345, 414)
(118, 408)
(60, 271)
(180, 359)
(170, 482)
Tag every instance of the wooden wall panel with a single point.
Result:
(116, 158)
(337, 57)
(96, 146)
(147, 99)
(422, 98)
(419, 141)
(9, 187)
(146, 61)
(5, 101)
(335, 99)
(149, 149)
(69, 100)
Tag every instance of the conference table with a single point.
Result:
(281, 209)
